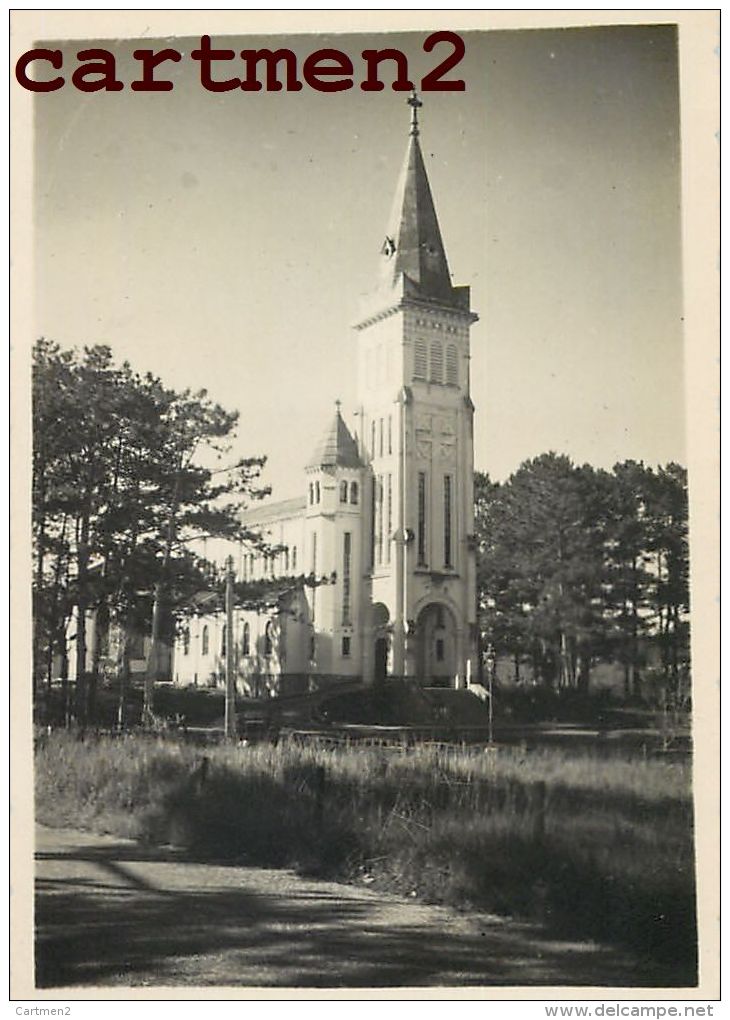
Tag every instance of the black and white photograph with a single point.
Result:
(362, 486)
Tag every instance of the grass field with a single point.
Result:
(594, 847)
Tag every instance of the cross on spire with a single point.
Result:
(415, 103)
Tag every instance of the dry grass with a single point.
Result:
(594, 846)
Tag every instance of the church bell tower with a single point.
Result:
(416, 438)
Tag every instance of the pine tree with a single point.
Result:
(628, 576)
(578, 565)
(541, 567)
(668, 545)
(128, 475)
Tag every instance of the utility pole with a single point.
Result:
(230, 719)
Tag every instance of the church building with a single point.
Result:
(385, 523)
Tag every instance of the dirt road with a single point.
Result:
(109, 912)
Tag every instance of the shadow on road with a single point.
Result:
(111, 913)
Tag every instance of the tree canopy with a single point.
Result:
(578, 565)
(127, 475)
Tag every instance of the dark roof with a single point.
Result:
(413, 237)
(337, 448)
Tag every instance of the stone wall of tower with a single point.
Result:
(439, 479)
(380, 382)
(417, 438)
(333, 550)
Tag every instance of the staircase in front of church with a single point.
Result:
(462, 707)
(407, 703)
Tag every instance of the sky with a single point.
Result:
(224, 240)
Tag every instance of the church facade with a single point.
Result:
(385, 525)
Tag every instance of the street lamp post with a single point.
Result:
(490, 662)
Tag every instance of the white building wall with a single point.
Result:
(327, 522)
(431, 434)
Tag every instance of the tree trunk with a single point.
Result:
(63, 650)
(49, 663)
(123, 674)
(583, 671)
(81, 608)
(40, 566)
(101, 625)
(57, 628)
(153, 659)
(565, 679)
(634, 645)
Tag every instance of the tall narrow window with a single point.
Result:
(390, 433)
(316, 492)
(354, 494)
(372, 438)
(314, 573)
(437, 362)
(380, 437)
(420, 368)
(206, 640)
(224, 634)
(343, 492)
(286, 561)
(447, 520)
(269, 638)
(389, 515)
(372, 523)
(380, 519)
(346, 572)
(294, 558)
(186, 641)
(452, 365)
(311, 493)
(421, 518)
(246, 640)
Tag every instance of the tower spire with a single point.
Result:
(413, 249)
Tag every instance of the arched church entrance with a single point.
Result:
(381, 658)
(436, 647)
(381, 618)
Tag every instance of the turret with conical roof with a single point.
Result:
(334, 526)
(337, 448)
